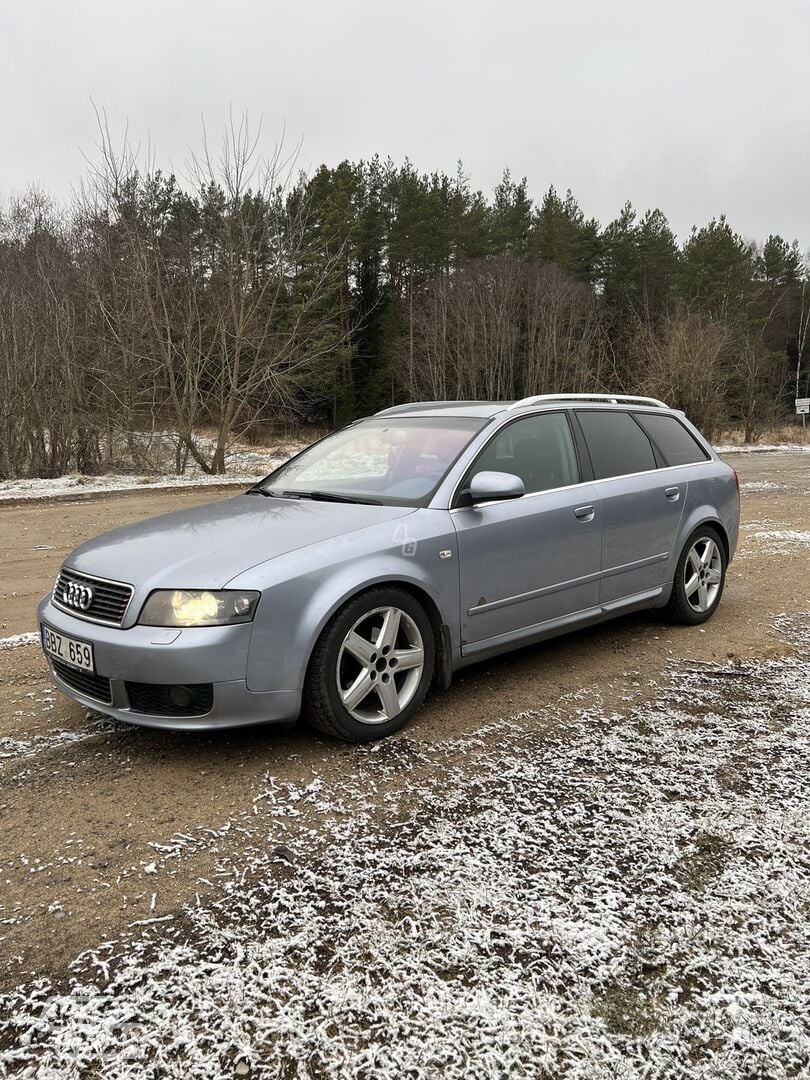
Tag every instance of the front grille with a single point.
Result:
(110, 599)
(155, 700)
(83, 682)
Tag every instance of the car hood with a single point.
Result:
(206, 546)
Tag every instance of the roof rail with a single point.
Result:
(424, 406)
(613, 399)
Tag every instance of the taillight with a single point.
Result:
(736, 480)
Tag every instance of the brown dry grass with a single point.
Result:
(789, 432)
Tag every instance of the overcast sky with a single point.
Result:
(700, 107)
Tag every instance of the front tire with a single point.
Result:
(699, 578)
(371, 668)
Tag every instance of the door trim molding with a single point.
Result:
(547, 590)
(552, 627)
(612, 571)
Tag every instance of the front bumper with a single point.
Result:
(148, 654)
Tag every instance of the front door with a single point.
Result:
(529, 561)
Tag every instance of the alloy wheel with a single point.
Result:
(703, 574)
(380, 665)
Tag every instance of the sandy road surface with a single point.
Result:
(103, 827)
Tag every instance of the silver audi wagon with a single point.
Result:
(389, 555)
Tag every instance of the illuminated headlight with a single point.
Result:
(198, 607)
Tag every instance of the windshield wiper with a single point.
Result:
(268, 493)
(330, 496)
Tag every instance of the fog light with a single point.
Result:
(180, 696)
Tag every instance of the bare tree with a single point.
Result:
(223, 323)
(48, 423)
(801, 336)
(755, 387)
(501, 328)
(566, 346)
(684, 361)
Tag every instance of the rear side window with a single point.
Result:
(616, 443)
(678, 446)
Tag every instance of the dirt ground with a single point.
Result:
(91, 811)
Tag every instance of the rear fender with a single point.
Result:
(700, 515)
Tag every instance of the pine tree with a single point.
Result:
(563, 235)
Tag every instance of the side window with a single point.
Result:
(539, 449)
(678, 445)
(616, 443)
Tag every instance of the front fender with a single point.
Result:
(303, 590)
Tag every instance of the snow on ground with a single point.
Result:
(18, 641)
(625, 897)
(246, 465)
(780, 541)
(760, 485)
(91, 485)
(11, 748)
(764, 448)
(766, 538)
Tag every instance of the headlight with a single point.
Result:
(198, 607)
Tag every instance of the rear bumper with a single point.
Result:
(143, 654)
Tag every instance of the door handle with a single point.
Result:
(672, 493)
(584, 513)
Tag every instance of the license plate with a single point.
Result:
(78, 654)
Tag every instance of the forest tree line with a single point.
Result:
(248, 294)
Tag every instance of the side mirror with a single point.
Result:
(491, 486)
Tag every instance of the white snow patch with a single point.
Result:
(761, 538)
(18, 641)
(11, 748)
(93, 485)
(764, 448)
(761, 485)
(247, 465)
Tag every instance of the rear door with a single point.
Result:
(528, 561)
(641, 503)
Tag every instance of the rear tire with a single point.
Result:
(700, 577)
(371, 667)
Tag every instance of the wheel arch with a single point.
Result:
(296, 607)
(443, 660)
(718, 527)
(678, 606)
(700, 517)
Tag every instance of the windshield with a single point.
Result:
(398, 460)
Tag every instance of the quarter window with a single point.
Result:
(539, 449)
(678, 446)
(616, 443)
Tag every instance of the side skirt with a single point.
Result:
(479, 650)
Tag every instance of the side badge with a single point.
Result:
(446, 554)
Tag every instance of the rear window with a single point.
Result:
(677, 445)
(616, 443)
